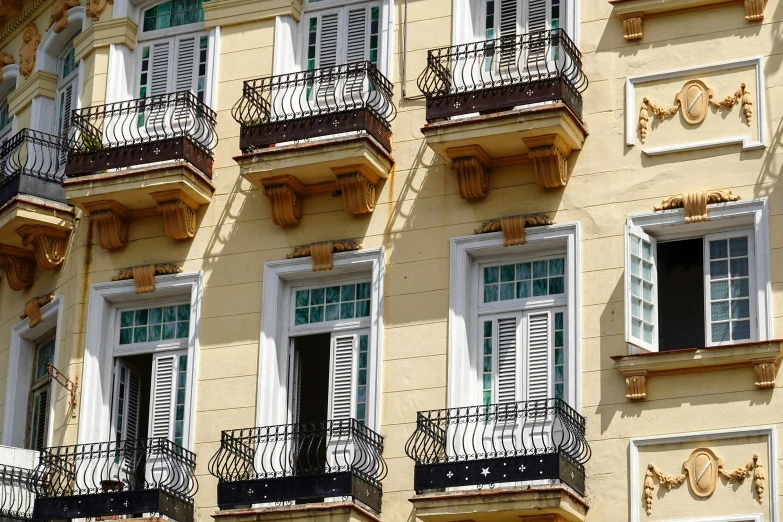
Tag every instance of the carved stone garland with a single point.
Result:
(111, 221)
(49, 244)
(695, 203)
(144, 275)
(702, 470)
(513, 227)
(32, 309)
(693, 100)
(322, 252)
(94, 8)
(59, 16)
(18, 265)
(5, 59)
(31, 39)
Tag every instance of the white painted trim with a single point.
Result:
(747, 214)
(213, 57)
(12, 71)
(771, 465)
(726, 518)
(49, 50)
(465, 251)
(272, 395)
(120, 80)
(286, 45)
(95, 409)
(760, 116)
(22, 339)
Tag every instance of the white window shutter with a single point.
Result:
(341, 379)
(162, 398)
(356, 36)
(39, 413)
(185, 79)
(539, 341)
(159, 68)
(66, 106)
(507, 360)
(509, 16)
(536, 15)
(126, 403)
(295, 381)
(641, 310)
(328, 39)
(134, 398)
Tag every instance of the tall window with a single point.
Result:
(342, 35)
(38, 404)
(173, 14)
(512, 17)
(67, 89)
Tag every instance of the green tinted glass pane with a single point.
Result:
(317, 296)
(346, 311)
(363, 291)
(523, 271)
(558, 356)
(169, 330)
(490, 293)
(558, 339)
(154, 333)
(156, 316)
(333, 294)
(182, 329)
(720, 332)
(507, 273)
(558, 391)
(556, 285)
(348, 292)
(539, 287)
(559, 321)
(362, 378)
(301, 316)
(491, 274)
(539, 269)
(317, 314)
(363, 342)
(145, 53)
(374, 13)
(170, 314)
(183, 312)
(373, 55)
(523, 289)
(302, 298)
(487, 381)
(361, 412)
(126, 319)
(313, 24)
(487, 364)
(332, 312)
(363, 360)
(140, 317)
(487, 328)
(140, 335)
(363, 308)
(556, 266)
(507, 291)
(126, 336)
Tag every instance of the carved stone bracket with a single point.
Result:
(636, 386)
(764, 373)
(31, 39)
(632, 26)
(550, 159)
(112, 221)
(18, 265)
(322, 252)
(471, 165)
(179, 213)
(32, 309)
(94, 8)
(285, 195)
(357, 184)
(695, 203)
(754, 10)
(59, 16)
(49, 244)
(513, 227)
(5, 59)
(144, 275)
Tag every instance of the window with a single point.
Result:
(173, 14)
(345, 35)
(504, 18)
(67, 90)
(154, 324)
(173, 65)
(332, 303)
(38, 408)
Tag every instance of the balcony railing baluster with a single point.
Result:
(323, 102)
(16, 493)
(31, 162)
(501, 74)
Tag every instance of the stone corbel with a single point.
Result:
(754, 10)
(144, 275)
(695, 203)
(5, 59)
(765, 373)
(632, 26)
(179, 213)
(513, 227)
(94, 8)
(322, 252)
(59, 16)
(357, 183)
(31, 39)
(471, 165)
(112, 221)
(550, 159)
(285, 194)
(18, 265)
(32, 309)
(49, 244)
(636, 385)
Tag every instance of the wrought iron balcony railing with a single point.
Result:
(322, 102)
(504, 73)
(300, 462)
(499, 444)
(16, 493)
(142, 131)
(31, 162)
(129, 477)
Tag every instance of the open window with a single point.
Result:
(39, 397)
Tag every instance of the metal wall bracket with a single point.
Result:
(66, 383)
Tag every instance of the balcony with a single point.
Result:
(505, 102)
(35, 218)
(316, 132)
(16, 496)
(531, 454)
(140, 157)
(108, 479)
(304, 463)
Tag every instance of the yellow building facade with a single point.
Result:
(439, 260)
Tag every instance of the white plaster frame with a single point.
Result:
(20, 363)
(771, 466)
(465, 254)
(11, 71)
(631, 111)
(95, 410)
(272, 396)
(734, 215)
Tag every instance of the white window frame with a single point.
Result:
(106, 300)
(744, 215)
(63, 83)
(467, 254)
(339, 325)
(125, 350)
(20, 362)
(280, 280)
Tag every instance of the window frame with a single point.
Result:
(731, 217)
(124, 350)
(142, 35)
(297, 330)
(37, 386)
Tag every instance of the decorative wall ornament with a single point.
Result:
(112, 221)
(322, 252)
(31, 39)
(5, 59)
(32, 309)
(550, 159)
(695, 203)
(59, 16)
(632, 26)
(472, 177)
(765, 373)
(49, 244)
(286, 200)
(357, 184)
(513, 227)
(179, 213)
(94, 8)
(18, 265)
(754, 10)
(702, 470)
(144, 275)
(636, 386)
(693, 99)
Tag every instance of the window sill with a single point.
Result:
(763, 356)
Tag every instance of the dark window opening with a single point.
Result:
(680, 267)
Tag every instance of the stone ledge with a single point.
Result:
(317, 512)
(120, 31)
(40, 83)
(544, 504)
(763, 356)
(230, 12)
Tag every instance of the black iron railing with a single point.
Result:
(116, 478)
(16, 493)
(499, 444)
(501, 74)
(300, 462)
(142, 131)
(323, 102)
(32, 162)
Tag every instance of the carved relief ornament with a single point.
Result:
(32, 309)
(49, 244)
(18, 265)
(550, 159)
(144, 275)
(94, 8)
(59, 16)
(111, 221)
(471, 164)
(322, 252)
(179, 213)
(31, 39)
(357, 183)
(285, 197)
(513, 227)
(695, 203)
(5, 59)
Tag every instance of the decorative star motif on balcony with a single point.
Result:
(522, 468)
(449, 474)
(485, 471)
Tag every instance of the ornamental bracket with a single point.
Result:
(695, 203)
(49, 244)
(144, 275)
(322, 252)
(179, 213)
(112, 221)
(549, 154)
(32, 309)
(66, 383)
(18, 265)
(513, 227)
(472, 166)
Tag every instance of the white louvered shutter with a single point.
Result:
(539, 348)
(356, 52)
(509, 28)
(65, 101)
(341, 378)
(125, 404)
(328, 43)
(162, 397)
(40, 410)
(507, 360)
(185, 73)
(536, 24)
(159, 78)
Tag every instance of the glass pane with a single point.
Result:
(346, 311)
(487, 328)
(523, 271)
(719, 311)
(523, 289)
(557, 266)
(738, 246)
(636, 287)
(648, 331)
(740, 309)
(740, 330)
(559, 321)
(182, 329)
(539, 287)
(719, 249)
(491, 274)
(507, 273)
(739, 267)
(317, 296)
(183, 312)
(647, 296)
(720, 332)
(140, 317)
(154, 332)
(170, 314)
(316, 314)
(646, 251)
(636, 307)
(156, 316)
(302, 298)
(556, 285)
(363, 308)
(719, 290)
(333, 294)
(539, 269)
(169, 330)
(507, 291)
(363, 291)
(636, 265)
(740, 288)
(126, 319)
(332, 312)
(491, 293)
(636, 328)
(140, 335)
(348, 292)
(648, 313)
(647, 271)
(635, 245)
(301, 316)
(558, 342)
(126, 336)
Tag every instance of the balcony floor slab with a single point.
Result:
(316, 512)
